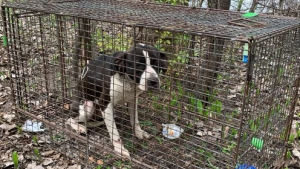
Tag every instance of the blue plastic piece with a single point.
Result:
(245, 166)
(245, 58)
(245, 53)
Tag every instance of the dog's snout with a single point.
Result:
(153, 82)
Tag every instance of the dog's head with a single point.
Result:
(142, 64)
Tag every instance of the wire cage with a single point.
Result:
(231, 83)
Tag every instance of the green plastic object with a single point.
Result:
(4, 41)
(257, 143)
(249, 15)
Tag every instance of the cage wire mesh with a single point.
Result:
(234, 103)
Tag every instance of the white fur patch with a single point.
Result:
(86, 111)
(142, 44)
(148, 73)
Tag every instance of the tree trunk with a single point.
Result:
(219, 4)
(281, 5)
(253, 6)
(239, 7)
(213, 58)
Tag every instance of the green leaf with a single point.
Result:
(199, 106)
(173, 102)
(15, 159)
(217, 107)
(34, 139)
(193, 100)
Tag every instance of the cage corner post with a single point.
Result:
(290, 118)
(60, 46)
(5, 16)
(17, 53)
(246, 94)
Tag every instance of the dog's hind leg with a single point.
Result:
(113, 131)
(134, 119)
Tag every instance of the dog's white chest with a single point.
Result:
(121, 90)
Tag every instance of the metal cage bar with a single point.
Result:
(226, 105)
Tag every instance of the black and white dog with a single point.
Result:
(116, 80)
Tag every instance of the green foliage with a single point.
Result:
(57, 137)
(199, 107)
(234, 132)
(146, 123)
(99, 167)
(117, 42)
(288, 154)
(144, 145)
(180, 58)
(15, 159)
(128, 144)
(287, 102)
(201, 151)
(173, 2)
(37, 153)
(216, 106)
(180, 89)
(156, 103)
(244, 136)
(19, 130)
(292, 138)
(159, 139)
(118, 163)
(109, 156)
(228, 149)
(252, 125)
(34, 139)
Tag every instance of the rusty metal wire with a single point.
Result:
(221, 102)
(179, 18)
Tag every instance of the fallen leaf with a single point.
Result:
(8, 164)
(226, 131)
(76, 166)
(200, 133)
(31, 156)
(232, 96)
(34, 166)
(296, 152)
(57, 167)
(199, 123)
(7, 127)
(55, 157)
(20, 157)
(100, 162)
(91, 159)
(67, 106)
(217, 128)
(9, 117)
(47, 161)
(47, 153)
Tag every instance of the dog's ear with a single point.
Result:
(163, 63)
(119, 62)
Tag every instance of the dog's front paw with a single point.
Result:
(141, 134)
(121, 150)
(76, 126)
